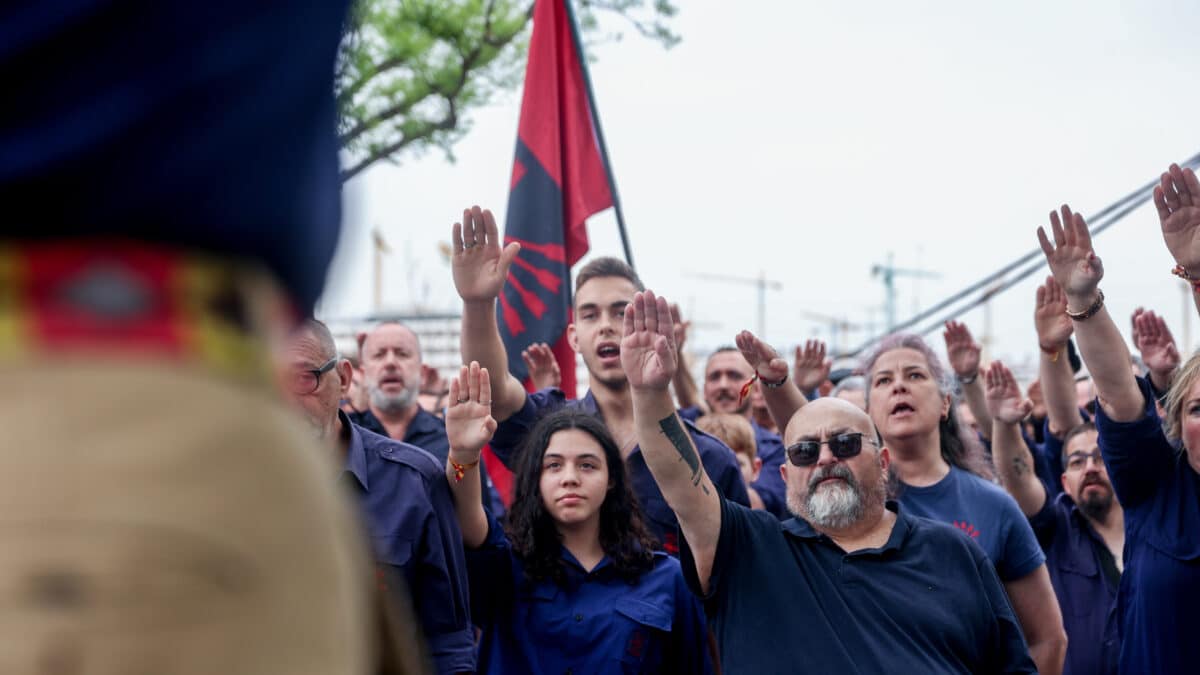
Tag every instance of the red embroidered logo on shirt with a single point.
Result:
(636, 645)
(968, 528)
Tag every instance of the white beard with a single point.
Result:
(392, 403)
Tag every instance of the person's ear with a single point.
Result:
(885, 459)
(572, 337)
(345, 374)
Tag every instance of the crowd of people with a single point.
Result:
(195, 480)
(903, 514)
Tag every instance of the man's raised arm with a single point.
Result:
(480, 267)
(1011, 456)
(650, 359)
(782, 397)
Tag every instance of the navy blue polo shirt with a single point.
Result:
(428, 432)
(984, 512)
(1158, 603)
(205, 125)
(719, 461)
(597, 622)
(410, 518)
(784, 598)
(1085, 593)
(769, 486)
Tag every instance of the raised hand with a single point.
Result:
(469, 423)
(762, 357)
(648, 352)
(1004, 399)
(1177, 198)
(478, 263)
(1050, 318)
(542, 366)
(961, 349)
(1157, 344)
(812, 368)
(1072, 260)
(1134, 328)
(679, 327)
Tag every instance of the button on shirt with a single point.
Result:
(409, 514)
(597, 622)
(985, 513)
(769, 486)
(718, 460)
(784, 598)
(1159, 597)
(1076, 559)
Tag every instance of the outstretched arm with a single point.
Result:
(649, 358)
(469, 426)
(542, 366)
(687, 394)
(964, 354)
(1054, 329)
(811, 368)
(1078, 270)
(480, 267)
(780, 394)
(1011, 456)
(1177, 198)
(1159, 352)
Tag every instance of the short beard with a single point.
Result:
(835, 507)
(392, 403)
(742, 409)
(1096, 506)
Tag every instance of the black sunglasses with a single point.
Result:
(843, 446)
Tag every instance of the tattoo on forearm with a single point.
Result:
(678, 436)
(1019, 466)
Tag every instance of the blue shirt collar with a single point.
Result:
(356, 453)
(800, 528)
(423, 423)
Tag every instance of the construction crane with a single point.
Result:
(838, 328)
(888, 273)
(761, 282)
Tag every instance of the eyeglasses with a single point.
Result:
(307, 381)
(843, 446)
(1078, 460)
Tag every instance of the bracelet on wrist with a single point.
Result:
(1052, 352)
(460, 470)
(1181, 272)
(1090, 311)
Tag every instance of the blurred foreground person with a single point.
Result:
(172, 183)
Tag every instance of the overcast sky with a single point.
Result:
(811, 139)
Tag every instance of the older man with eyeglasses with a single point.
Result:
(403, 496)
(853, 583)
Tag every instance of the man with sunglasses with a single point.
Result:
(403, 496)
(852, 583)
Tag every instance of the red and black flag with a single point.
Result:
(560, 177)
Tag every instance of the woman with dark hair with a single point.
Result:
(1153, 462)
(573, 583)
(939, 472)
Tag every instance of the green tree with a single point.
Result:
(411, 71)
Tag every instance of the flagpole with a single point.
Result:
(591, 99)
